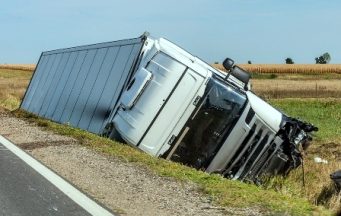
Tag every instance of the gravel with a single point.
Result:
(123, 187)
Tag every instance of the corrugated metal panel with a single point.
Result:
(81, 85)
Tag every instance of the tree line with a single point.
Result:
(323, 59)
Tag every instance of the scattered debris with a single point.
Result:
(336, 177)
(320, 160)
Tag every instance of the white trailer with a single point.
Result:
(168, 103)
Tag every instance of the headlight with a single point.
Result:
(300, 137)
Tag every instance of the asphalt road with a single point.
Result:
(24, 191)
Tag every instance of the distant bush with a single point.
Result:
(289, 61)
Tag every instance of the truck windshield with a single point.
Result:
(213, 120)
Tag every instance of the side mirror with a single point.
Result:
(228, 64)
(241, 75)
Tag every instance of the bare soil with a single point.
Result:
(125, 188)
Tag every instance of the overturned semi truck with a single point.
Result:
(161, 99)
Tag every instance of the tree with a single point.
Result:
(289, 61)
(323, 59)
(249, 62)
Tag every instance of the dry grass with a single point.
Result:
(24, 67)
(283, 88)
(289, 68)
(315, 184)
(13, 84)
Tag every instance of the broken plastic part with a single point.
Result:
(336, 177)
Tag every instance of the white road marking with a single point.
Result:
(78, 197)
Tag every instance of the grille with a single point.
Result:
(252, 162)
(249, 116)
(237, 159)
(255, 150)
(260, 164)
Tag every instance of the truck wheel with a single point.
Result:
(107, 129)
(111, 132)
(114, 135)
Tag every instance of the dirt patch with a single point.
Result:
(2, 111)
(35, 145)
(330, 150)
(124, 187)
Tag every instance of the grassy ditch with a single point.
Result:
(223, 191)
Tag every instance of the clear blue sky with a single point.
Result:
(263, 31)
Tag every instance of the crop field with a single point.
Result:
(295, 81)
(289, 68)
(311, 97)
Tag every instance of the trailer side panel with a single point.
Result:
(81, 85)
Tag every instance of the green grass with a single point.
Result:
(323, 113)
(263, 76)
(223, 191)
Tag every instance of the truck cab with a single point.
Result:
(178, 107)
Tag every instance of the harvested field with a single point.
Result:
(24, 67)
(282, 88)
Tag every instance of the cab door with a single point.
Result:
(147, 120)
(174, 114)
(138, 110)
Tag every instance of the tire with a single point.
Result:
(111, 133)
(115, 135)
